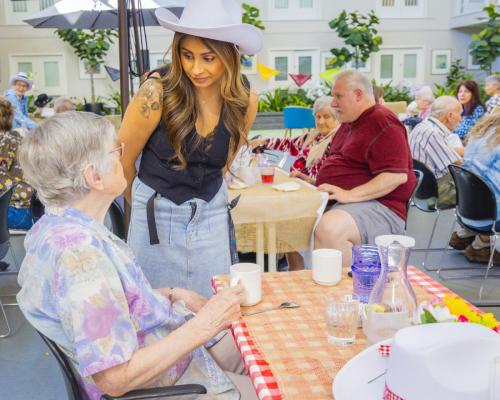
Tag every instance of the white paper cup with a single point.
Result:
(250, 276)
(326, 266)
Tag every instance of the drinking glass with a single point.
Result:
(266, 169)
(342, 317)
(365, 270)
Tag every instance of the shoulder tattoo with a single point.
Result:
(149, 98)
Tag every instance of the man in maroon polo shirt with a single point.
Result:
(369, 173)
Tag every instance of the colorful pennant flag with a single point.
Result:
(300, 79)
(328, 75)
(266, 72)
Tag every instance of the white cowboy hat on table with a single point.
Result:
(214, 19)
(442, 361)
(21, 76)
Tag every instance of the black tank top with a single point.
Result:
(202, 176)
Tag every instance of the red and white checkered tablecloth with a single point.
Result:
(259, 369)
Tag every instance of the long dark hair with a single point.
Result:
(180, 108)
(6, 115)
(475, 100)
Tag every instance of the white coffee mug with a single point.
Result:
(326, 266)
(247, 174)
(249, 275)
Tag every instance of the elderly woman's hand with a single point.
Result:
(193, 300)
(220, 311)
(297, 174)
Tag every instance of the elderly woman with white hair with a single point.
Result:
(82, 288)
(312, 148)
(424, 98)
(492, 89)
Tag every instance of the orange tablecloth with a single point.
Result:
(291, 344)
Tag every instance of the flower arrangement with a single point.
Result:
(453, 308)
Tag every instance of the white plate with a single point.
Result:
(351, 382)
(287, 187)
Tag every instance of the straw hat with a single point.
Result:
(214, 19)
(21, 76)
(445, 361)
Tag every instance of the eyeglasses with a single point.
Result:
(119, 149)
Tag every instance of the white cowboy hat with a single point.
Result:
(214, 19)
(21, 76)
(445, 361)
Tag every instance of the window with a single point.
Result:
(20, 6)
(281, 64)
(99, 71)
(45, 4)
(158, 59)
(286, 10)
(295, 62)
(400, 65)
(48, 71)
(400, 8)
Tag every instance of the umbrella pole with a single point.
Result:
(123, 48)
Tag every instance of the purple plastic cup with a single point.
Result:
(365, 270)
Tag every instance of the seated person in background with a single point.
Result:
(492, 88)
(472, 107)
(424, 98)
(369, 172)
(378, 93)
(482, 156)
(82, 288)
(41, 102)
(19, 215)
(419, 109)
(63, 104)
(312, 148)
(17, 96)
(429, 145)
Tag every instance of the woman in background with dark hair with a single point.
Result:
(472, 107)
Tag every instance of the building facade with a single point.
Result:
(420, 39)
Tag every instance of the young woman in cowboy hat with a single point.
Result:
(20, 84)
(189, 120)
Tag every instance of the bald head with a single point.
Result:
(448, 110)
(352, 94)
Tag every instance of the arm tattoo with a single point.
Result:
(149, 99)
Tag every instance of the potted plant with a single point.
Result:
(91, 46)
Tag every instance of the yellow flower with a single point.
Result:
(459, 307)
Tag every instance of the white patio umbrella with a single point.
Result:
(96, 14)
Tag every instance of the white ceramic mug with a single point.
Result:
(327, 266)
(250, 276)
(247, 174)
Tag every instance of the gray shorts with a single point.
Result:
(373, 219)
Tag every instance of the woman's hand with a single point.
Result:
(193, 300)
(220, 311)
(257, 142)
(297, 174)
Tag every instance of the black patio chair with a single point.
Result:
(420, 176)
(426, 199)
(475, 201)
(115, 213)
(5, 244)
(74, 393)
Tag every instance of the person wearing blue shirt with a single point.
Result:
(472, 107)
(17, 96)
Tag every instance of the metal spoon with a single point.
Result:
(286, 304)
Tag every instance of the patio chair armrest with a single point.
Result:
(159, 392)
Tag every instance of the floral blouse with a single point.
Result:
(81, 287)
(295, 147)
(10, 171)
(468, 122)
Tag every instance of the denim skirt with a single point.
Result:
(193, 236)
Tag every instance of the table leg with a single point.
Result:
(271, 246)
(259, 237)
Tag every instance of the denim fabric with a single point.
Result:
(21, 119)
(19, 218)
(193, 246)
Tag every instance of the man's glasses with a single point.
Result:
(119, 149)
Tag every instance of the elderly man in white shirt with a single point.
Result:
(431, 144)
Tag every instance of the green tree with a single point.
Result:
(359, 34)
(90, 46)
(485, 46)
